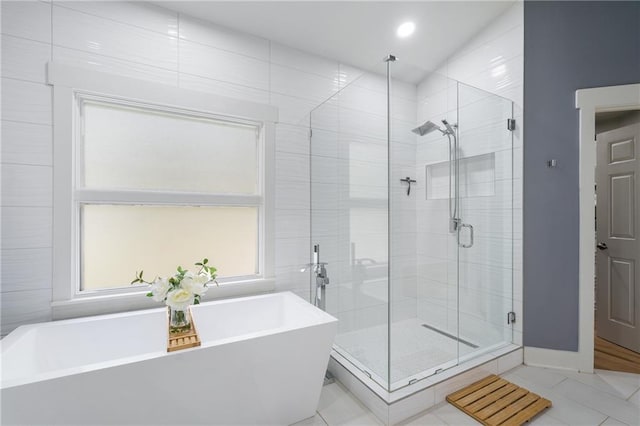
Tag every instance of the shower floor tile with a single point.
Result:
(414, 348)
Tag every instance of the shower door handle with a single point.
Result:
(466, 225)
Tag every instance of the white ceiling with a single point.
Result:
(358, 33)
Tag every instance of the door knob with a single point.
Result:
(602, 246)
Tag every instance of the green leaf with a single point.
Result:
(198, 264)
(196, 302)
(134, 281)
(205, 261)
(149, 294)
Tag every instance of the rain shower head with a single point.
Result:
(430, 126)
(427, 127)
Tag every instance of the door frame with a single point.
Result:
(589, 102)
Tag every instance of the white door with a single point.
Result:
(618, 225)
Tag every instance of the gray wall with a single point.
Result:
(567, 46)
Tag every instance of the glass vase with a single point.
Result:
(179, 320)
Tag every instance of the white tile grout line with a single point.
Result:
(637, 391)
(568, 396)
(593, 386)
(323, 419)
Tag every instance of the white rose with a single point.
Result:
(179, 299)
(203, 277)
(196, 285)
(159, 289)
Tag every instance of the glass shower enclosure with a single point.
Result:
(411, 210)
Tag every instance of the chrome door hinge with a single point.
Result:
(511, 317)
(511, 124)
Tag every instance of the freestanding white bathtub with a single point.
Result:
(262, 361)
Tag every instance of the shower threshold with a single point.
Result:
(428, 375)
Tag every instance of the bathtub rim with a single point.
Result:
(12, 338)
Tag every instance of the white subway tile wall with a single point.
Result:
(146, 42)
(152, 43)
(350, 193)
(492, 270)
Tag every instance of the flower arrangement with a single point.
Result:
(180, 291)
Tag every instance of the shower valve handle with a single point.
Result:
(322, 281)
(409, 181)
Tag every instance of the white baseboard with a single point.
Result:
(551, 358)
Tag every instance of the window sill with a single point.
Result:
(114, 303)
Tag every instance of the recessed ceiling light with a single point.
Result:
(406, 29)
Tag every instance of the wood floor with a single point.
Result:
(609, 356)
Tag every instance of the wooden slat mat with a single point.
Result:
(495, 401)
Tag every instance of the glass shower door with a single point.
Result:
(423, 332)
(485, 233)
(349, 218)
(414, 294)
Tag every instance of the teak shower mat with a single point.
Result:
(495, 401)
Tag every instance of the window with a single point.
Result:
(133, 164)
(117, 239)
(157, 178)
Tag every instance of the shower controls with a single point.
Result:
(454, 166)
(409, 181)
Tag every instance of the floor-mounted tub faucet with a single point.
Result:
(322, 279)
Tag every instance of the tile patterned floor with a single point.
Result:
(605, 398)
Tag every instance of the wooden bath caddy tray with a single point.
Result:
(183, 340)
(495, 401)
